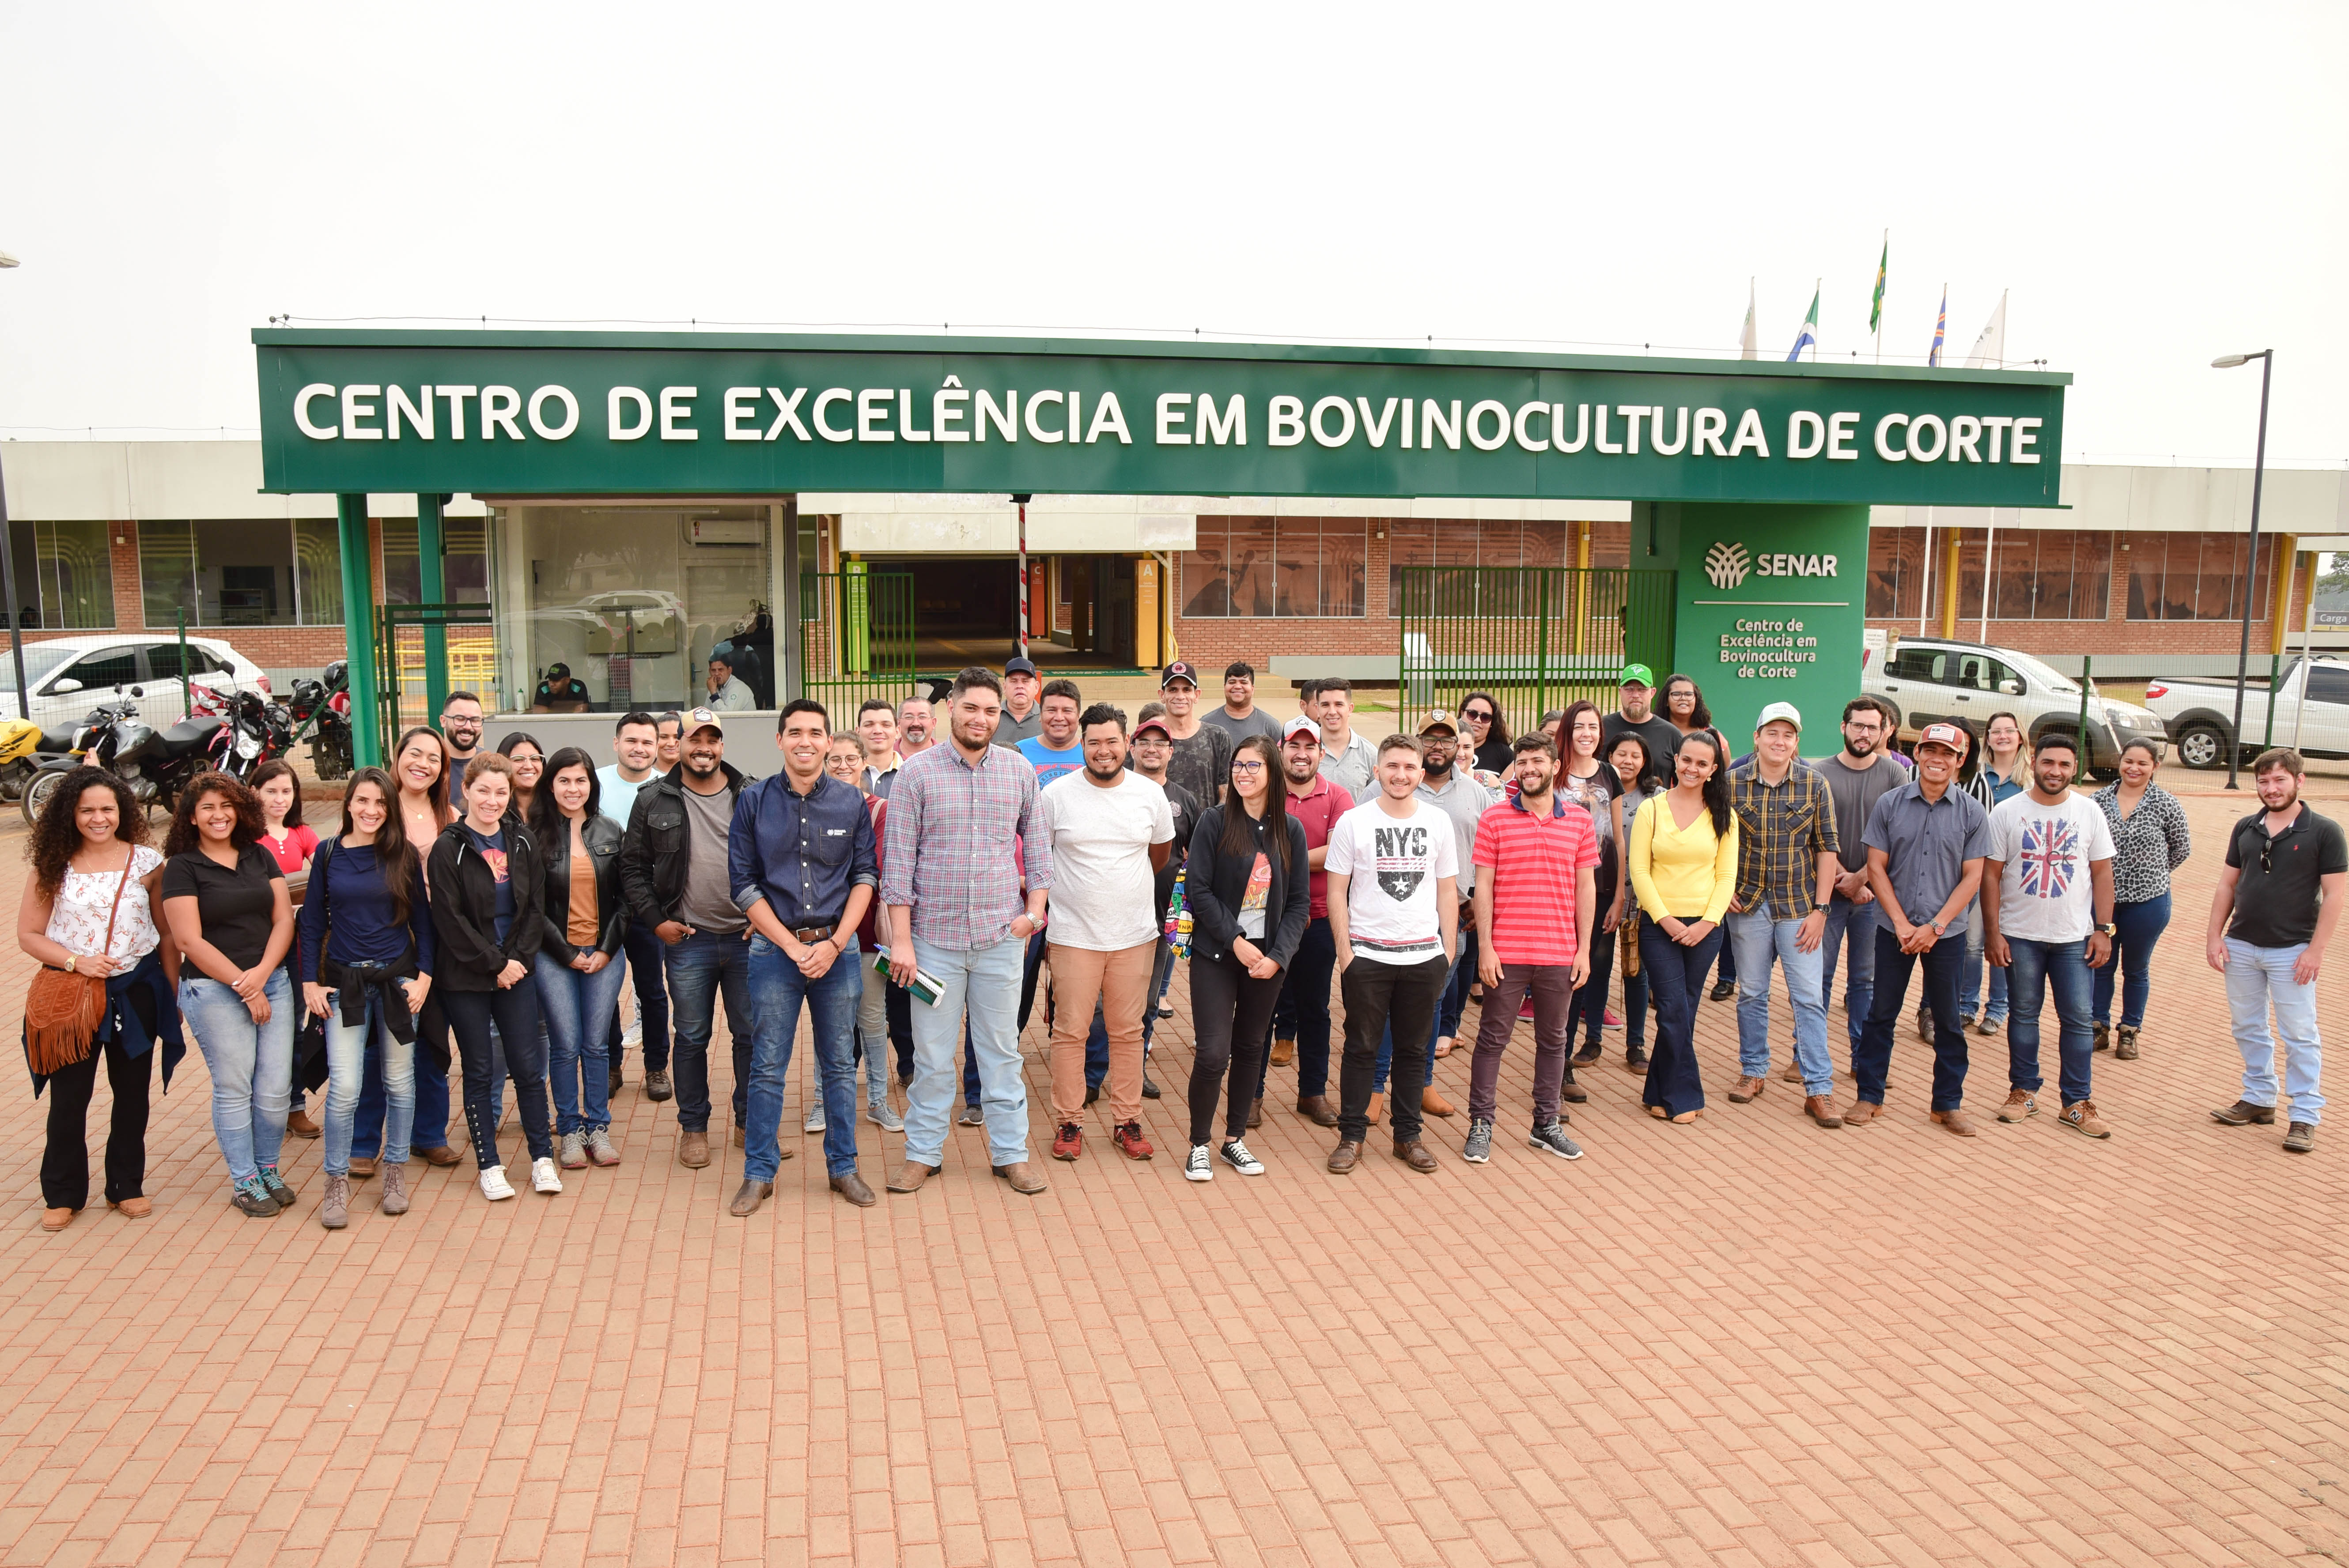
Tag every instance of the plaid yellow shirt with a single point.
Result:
(1782, 831)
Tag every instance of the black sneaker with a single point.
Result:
(1635, 1060)
(1149, 1089)
(1551, 1139)
(1723, 991)
(2300, 1138)
(1093, 1092)
(1586, 1056)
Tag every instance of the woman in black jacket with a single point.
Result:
(579, 963)
(1247, 889)
(487, 886)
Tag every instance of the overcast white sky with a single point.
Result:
(2156, 184)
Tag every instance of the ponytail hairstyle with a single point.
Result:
(1236, 838)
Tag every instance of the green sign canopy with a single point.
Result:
(576, 413)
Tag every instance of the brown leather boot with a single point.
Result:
(1283, 1051)
(693, 1148)
(1415, 1155)
(1821, 1107)
(302, 1124)
(1433, 1104)
(1023, 1176)
(1344, 1158)
(752, 1194)
(1317, 1110)
(850, 1186)
(910, 1176)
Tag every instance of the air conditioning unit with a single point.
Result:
(726, 529)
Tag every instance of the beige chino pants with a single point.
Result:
(1120, 981)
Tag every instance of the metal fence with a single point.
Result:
(400, 676)
(856, 638)
(1535, 637)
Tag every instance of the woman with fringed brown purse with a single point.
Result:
(91, 916)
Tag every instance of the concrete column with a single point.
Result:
(1147, 588)
(358, 621)
(433, 589)
(1953, 539)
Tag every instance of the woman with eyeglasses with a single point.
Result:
(2149, 842)
(529, 760)
(1486, 732)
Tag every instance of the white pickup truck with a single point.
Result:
(2200, 714)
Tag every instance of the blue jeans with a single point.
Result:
(2037, 966)
(2137, 927)
(644, 954)
(1854, 925)
(986, 982)
(1969, 985)
(349, 1048)
(1161, 977)
(429, 1125)
(703, 968)
(777, 990)
(1871, 1057)
(252, 1067)
(1760, 939)
(579, 1009)
(2257, 977)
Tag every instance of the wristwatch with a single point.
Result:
(2109, 929)
(1939, 929)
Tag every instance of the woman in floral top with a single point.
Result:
(2149, 842)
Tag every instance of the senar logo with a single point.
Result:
(1726, 565)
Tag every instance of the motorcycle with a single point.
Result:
(322, 709)
(116, 737)
(244, 741)
(21, 741)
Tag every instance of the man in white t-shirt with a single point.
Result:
(1111, 828)
(1394, 913)
(2047, 917)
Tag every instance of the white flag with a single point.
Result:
(1989, 348)
(1749, 345)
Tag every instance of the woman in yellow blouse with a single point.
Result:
(1682, 860)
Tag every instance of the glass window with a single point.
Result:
(237, 572)
(2194, 577)
(1915, 664)
(167, 572)
(1896, 573)
(634, 598)
(464, 561)
(103, 668)
(1610, 544)
(64, 576)
(2328, 684)
(1463, 543)
(244, 574)
(1263, 566)
(319, 571)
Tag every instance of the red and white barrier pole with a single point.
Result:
(1022, 638)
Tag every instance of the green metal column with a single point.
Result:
(432, 589)
(358, 647)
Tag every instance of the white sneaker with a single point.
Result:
(544, 1177)
(495, 1185)
(634, 1037)
(1198, 1166)
(815, 1123)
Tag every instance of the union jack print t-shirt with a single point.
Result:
(2045, 891)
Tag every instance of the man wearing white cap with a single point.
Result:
(1786, 865)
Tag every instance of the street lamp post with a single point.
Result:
(8, 576)
(2266, 357)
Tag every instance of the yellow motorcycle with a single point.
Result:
(20, 746)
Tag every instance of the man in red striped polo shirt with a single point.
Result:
(1537, 859)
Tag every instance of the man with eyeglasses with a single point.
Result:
(2277, 905)
(1487, 733)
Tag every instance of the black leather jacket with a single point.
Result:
(604, 840)
(653, 857)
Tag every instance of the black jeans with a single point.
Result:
(516, 1012)
(1302, 1014)
(1871, 1057)
(1230, 1009)
(65, 1162)
(651, 979)
(1377, 996)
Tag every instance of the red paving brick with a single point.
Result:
(1746, 1342)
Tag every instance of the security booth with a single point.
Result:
(646, 493)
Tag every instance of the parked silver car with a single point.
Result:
(1933, 680)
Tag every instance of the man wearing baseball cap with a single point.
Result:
(1300, 1018)
(1925, 843)
(1202, 762)
(1786, 865)
(674, 874)
(1632, 713)
(1023, 712)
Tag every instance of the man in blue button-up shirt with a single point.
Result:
(799, 859)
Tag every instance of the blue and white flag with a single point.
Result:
(1809, 336)
(1941, 328)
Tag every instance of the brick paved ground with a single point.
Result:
(1746, 1342)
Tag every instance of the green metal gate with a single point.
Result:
(402, 648)
(1535, 637)
(856, 638)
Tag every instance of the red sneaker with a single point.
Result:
(1130, 1142)
(1069, 1142)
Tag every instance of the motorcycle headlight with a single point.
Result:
(247, 747)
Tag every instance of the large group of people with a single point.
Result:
(907, 875)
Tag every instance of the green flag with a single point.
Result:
(1875, 304)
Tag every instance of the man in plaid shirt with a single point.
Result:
(1786, 865)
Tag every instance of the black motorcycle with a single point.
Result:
(116, 737)
(257, 730)
(321, 709)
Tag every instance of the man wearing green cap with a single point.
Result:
(1634, 715)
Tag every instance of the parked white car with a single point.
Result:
(1933, 680)
(68, 676)
(2202, 713)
